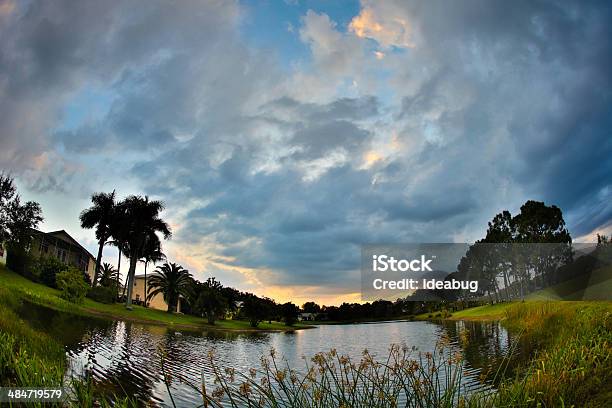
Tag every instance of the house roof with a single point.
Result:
(149, 274)
(72, 240)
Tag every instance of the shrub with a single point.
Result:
(72, 285)
(20, 261)
(254, 309)
(102, 294)
(49, 267)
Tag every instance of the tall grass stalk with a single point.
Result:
(571, 366)
(405, 377)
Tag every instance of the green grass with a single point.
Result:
(597, 286)
(486, 312)
(27, 357)
(31, 358)
(49, 297)
(573, 362)
(571, 366)
(499, 311)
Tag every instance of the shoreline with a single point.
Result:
(568, 334)
(204, 326)
(25, 290)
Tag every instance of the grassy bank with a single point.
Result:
(31, 358)
(571, 367)
(486, 312)
(22, 288)
(573, 362)
(27, 357)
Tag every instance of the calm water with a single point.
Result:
(123, 356)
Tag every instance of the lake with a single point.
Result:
(124, 357)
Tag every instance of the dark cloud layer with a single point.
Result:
(487, 105)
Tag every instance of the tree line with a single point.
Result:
(504, 264)
(519, 253)
(134, 226)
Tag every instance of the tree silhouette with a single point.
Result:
(99, 215)
(141, 219)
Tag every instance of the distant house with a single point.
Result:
(62, 246)
(307, 316)
(157, 302)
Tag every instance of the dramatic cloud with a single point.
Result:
(400, 122)
(382, 23)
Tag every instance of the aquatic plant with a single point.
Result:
(405, 377)
(571, 367)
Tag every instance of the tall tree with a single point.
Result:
(119, 236)
(290, 313)
(523, 250)
(21, 219)
(7, 193)
(16, 219)
(16, 223)
(172, 281)
(142, 220)
(311, 307)
(209, 299)
(500, 235)
(100, 215)
(538, 223)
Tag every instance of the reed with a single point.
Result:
(405, 377)
(571, 366)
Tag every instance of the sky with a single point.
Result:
(283, 135)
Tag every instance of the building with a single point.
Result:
(307, 317)
(157, 302)
(62, 246)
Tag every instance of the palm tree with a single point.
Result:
(141, 221)
(108, 275)
(119, 233)
(99, 215)
(153, 254)
(172, 281)
(209, 300)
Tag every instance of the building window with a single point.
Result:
(61, 254)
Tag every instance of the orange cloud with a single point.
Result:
(302, 294)
(7, 7)
(388, 31)
(371, 157)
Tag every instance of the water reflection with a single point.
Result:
(124, 357)
(488, 349)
